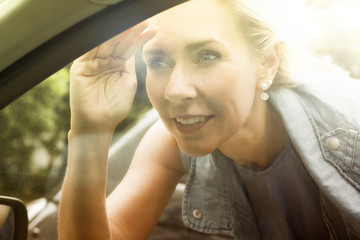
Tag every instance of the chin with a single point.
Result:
(195, 151)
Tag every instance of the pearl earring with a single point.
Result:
(264, 96)
(264, 86)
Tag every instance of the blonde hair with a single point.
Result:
(260, 31)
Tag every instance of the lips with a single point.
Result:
(190, 121)
(188, 124)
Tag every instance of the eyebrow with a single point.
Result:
(194, 46)
(154, 52)
(189, 47)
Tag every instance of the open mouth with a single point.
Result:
(190, 121)
(191, 124)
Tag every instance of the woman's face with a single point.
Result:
(201, 77)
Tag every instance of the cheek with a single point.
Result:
(241, 111)
(235, 98)
(236, 109)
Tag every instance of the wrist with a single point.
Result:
(99, 128)
(90, 135)
(80, 130)
(89, 148)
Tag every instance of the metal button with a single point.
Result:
(197, 213)
(334, 143)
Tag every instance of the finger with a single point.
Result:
(90, 55)
(138, 43)
(101, 51)
(115, 45)
(130, 67)
(126, 40)
(106, 49)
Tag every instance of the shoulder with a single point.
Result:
(161, 147)
(329, 97)
(150, 181)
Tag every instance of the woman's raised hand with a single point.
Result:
(103, 81)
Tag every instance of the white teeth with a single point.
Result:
(190, 121)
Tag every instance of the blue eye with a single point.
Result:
(159, 63)
(207, 57)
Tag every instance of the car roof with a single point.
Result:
(38, 37)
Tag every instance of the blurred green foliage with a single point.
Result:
(40, 120)
(35, 120)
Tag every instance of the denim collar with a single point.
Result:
(304, 134)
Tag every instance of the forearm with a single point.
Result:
(82, 206)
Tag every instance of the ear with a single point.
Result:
(268, 69)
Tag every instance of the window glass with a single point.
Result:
(33, 138)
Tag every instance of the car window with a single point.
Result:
(33, 139)
(34, 136)
(34, 127)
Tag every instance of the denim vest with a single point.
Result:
(322, 119)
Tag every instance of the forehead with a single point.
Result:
(192, 10)
(196, 20)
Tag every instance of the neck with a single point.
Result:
(257, 144)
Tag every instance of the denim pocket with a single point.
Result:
(342, 148)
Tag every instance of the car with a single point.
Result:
(38, 40)
(13, 219)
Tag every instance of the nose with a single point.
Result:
(180, 86)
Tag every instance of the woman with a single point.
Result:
(265, 159)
